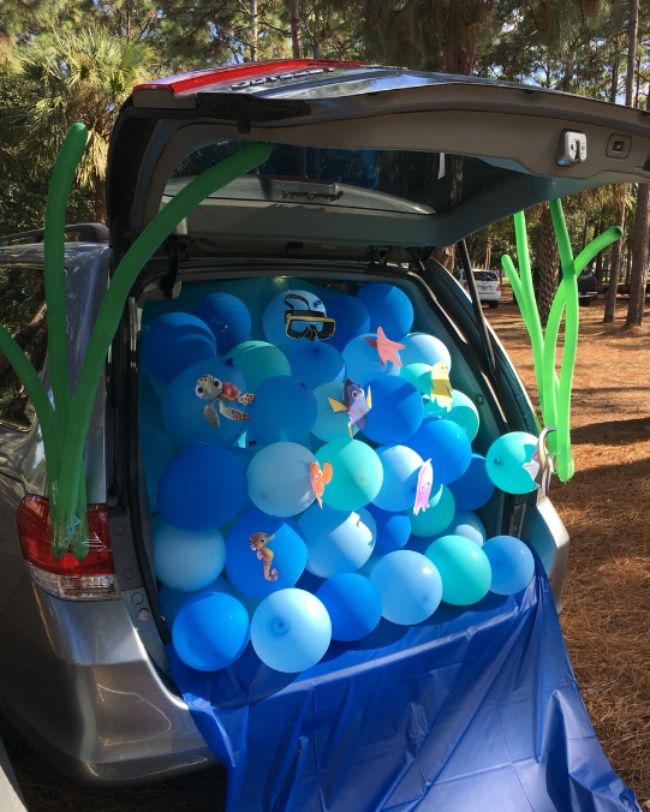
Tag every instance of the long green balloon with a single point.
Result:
(112, 307)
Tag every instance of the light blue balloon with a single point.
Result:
(401, 466)
(228, 318)
(410, 587)
(329, 424)
(362, 363)
(278, 479)
(315, 363)
(469, 525)
(172, 600)
(211, 631)
(337, 541)
(464, 413)
(393, 530)
(246, 571)
(474, 488)
(291, 630)
(422, 348)
(505, 462)
(257, 361)
(512, 562)
(173, 342)
(389, 308)
(396, 411)
(437, 517)
(357, 474)
(283, 410)
(464, 569)
(191, 409)
(273, 321)
(353, 604)
(351, 317)
(185, 560)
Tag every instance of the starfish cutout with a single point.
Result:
(386, 349)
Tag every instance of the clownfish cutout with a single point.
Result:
(541, 467)
(387, 350)
(319, 479)
(259, 543)
(441, 390)
(356, 402)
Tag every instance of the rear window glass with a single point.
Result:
(432, 181)
(485, 276)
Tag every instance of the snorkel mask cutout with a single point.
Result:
(305, 322)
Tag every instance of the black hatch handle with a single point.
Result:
(488, 349)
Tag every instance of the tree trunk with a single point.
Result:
(547, 262)
(100, 200)
(639, 252)
(614, 271)
(294, 11)
(253, 13)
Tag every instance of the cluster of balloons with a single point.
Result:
(287, 473)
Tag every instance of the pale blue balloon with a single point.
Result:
(357, 473)
(410, 587)
(329, 424)
(353, 604)
(273, 321)
(257, 361)
(468, 524)
(315, 363)
(291, 630)
(187, 561)
(279, 479)
(464, 413)
(401, 466)
(284, 409)
(438, 515)
(362, 362)
(337, 541)
(512, 562)
(506, 459)
(422, 348)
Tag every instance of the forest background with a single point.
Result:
(67, 60)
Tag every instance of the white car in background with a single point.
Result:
(488, 285)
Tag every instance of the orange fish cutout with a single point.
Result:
(386, 349)
(319, 479)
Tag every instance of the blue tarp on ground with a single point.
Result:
(473, 710)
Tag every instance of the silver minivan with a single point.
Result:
(371, 169)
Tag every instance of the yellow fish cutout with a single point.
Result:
(440, 386)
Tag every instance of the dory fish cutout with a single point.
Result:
(258, 543)
(387, 350)
(218, 392)
(356, 402)
(319, 479)
(440, 386)
(423, 490)
(541, 466)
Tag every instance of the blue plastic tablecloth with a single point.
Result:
(472, 710)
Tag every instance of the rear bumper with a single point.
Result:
(489, 296)
(76, 682)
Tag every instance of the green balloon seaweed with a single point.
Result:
(65, 418)
(553, 386)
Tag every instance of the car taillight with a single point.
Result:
(498, 285)
(89, 578)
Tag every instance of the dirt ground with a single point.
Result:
(606, 617)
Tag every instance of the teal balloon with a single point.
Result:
(469, 525)
(284, 409)
(410, 587)
(337, 541)
(464, 413)
(329, 424)
(173, 600)
(512, 562)
(353, 604)
(505, 462)
(464, 568)
(357, 474)
(419, 375)
(157, 451)
(211, 631)
(422, 348)
(186, 560)
(278, 479)
(315, 363)
(291, 630)
(439, 515)
(257, 361)
(362, 363)
(401, 466)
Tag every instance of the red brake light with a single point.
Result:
(34, 531)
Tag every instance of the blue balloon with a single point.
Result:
(291, 630)
(410, 587)
(211, 631)
(273, 321)
(357, 473)
(438, 515)
(512, 562)
(474, 488)
(258, 361)
(278, 479)
(396, 411)
(315, 363)
(228, 318)
(351, 317)
(337, 541)
(202, 488)
(283, 410)
(469, 525)
(446, 445)
(186, 560)
(329, 424)
(389, 308)
(422, 348)
(173, 342)
(246, 567)
(157, 450)
(506, 459)
(199, 407)
(464, 412)
(393, 530)
(353, 604)
(172, 600)
(362, 363)
(401, 466)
